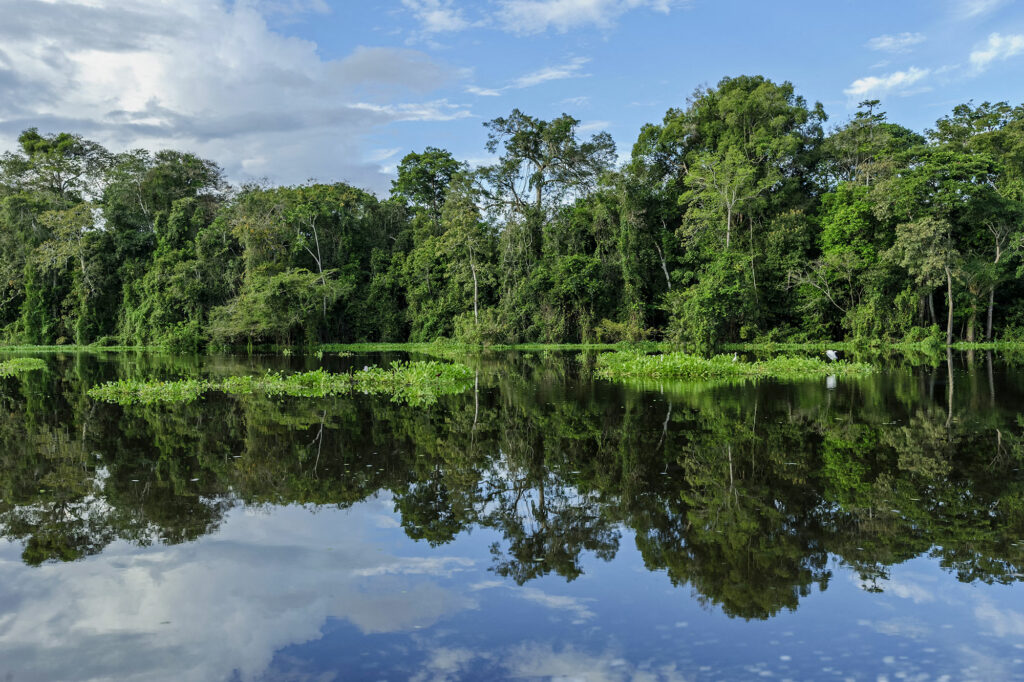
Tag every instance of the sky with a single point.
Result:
(288, 91)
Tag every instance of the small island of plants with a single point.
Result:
(637, 365)
(415, 383)
(16, 366)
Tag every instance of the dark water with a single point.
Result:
(543, 526)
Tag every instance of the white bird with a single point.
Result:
(735, 357)
(832, 355)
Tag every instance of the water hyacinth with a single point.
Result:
(631, 364)
(410, 382)
(15, 366)
(129, 392)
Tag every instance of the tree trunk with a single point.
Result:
(728, 225)
(988, 322)
(931, 306)
(949, 380)
(949, 306)
(664, 268)
(753, 272)
(472, 267)
(319, 263)
(970, 325)
(991, 383)
(992, 291)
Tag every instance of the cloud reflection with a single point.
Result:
(205, 610)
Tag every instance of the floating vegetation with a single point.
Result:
(416, 383)
(629, 365)
(128, 392)
(9, 368)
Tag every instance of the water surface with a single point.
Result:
(541, 525)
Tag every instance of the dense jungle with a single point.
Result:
(743, 216)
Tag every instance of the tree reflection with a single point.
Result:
(749, 495)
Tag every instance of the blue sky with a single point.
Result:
(290, 90)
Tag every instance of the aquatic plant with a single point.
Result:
(409, 382)
(128, 392)
(20, 366)
(629, 364)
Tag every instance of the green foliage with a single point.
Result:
(484, 329)
(127, 392)
(736, 218)
(414, 383)
(607, 331)
(281, 308)
(16, 366)
(750, 497)
(631, 364)
(424, 178)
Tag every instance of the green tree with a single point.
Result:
(423, 179)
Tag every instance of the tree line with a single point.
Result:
(738, 217)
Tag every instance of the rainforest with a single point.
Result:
(742, 216)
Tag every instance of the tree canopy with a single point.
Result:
(739, 216)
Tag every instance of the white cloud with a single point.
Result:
(378, 155)
(976, 8)
(897, 82)
(543, 661)
(1000, 622)
(290, 6)
(898, 627)
(446, 663)
(998, 47)
(592, 126)
(211, 77)
(580, 101)
(899, 42)
(200, 611)
(437, 16)
(483, 92)
(573, 605)
(570, 69)
(537, 16)
(913, 589)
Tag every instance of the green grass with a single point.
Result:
(415, 383)
(633, 365)
(15, 366)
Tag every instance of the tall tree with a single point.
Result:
(423, 179)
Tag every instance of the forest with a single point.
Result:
(741, 216)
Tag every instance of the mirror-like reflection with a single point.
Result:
(752, 496)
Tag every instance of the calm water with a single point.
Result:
(543, 525)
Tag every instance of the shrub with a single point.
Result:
(488, 330)
(608, 331)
